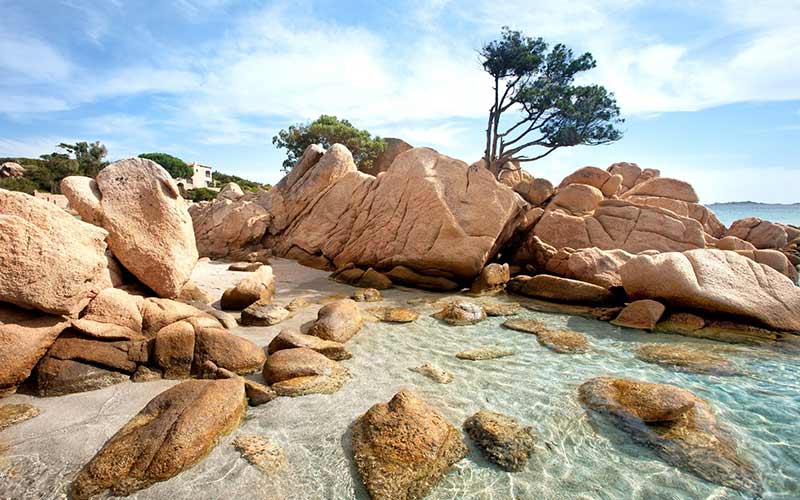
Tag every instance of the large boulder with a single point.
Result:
(760, 233)
(592, 265)
(300, 371)
(678, 425)
(394, 147)
(227, 226)
(149, 228)
(560, 289)
(176, 430)
(230, 191)
(576, 199)
(24, 338)
(717, 282)
(50, 260)
(606, 182)
(664, 187)
(291, 339)
(643, 314)
(11, 169)
(338, 321)
(257, 286)
(420, 215)
(404, 447)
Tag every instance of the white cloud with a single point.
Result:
(31, 58)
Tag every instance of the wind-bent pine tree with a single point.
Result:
(537, 104)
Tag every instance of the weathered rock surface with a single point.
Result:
(57, 377)
(395, 314)
(559, 289)
(113, 306)
(11, 169)
(405, 276)
(338, 321)
(461, 313)
(394, 147)
(760, 233)
(404, 447)
(602, 180)
(563, 341)
(434, 373)
(367, 295)
(501, 439)
(678, 425)
(301, 371)
(715, 281)
(237, 354)
(774, 259)
(265, 455)
(643, 314)
(24, 338)
(227, 227)
(264, 314)
(664, 187)
(687, 359)
(290, 339)
(245, 267)
(533, 326)
(502, 308)
(484, 353)
(173, 432)
(50, 260)
(592, 265)
(149, 228)
(258, 286)
(576, 199)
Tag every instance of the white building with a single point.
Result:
(201, 177)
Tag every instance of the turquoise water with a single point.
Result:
(729, 212)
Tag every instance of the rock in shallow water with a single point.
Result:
(483, 353)
(434, 373)
(173, 432)
(643, 314)
(502, 308)
(290, 339)
(338, 321)
(563, 341)
(461, 313)
(501, 439)
(301, 371)
(404, 447)
(395, 314)
(678, 425)
(686, 359)
(367, 295)
(265, 455)
(525, 325)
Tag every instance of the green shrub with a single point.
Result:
(175, 166)
(201, 194)
(18, 184)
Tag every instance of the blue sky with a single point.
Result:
(710, 90)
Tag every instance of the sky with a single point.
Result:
(710, 90)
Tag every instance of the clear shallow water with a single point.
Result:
(575, 460)
(730, 212)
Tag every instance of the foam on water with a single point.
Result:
(578, 457)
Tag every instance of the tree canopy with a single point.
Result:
(247, 185)
(175, 166)
(46, 172)
(90, 156)
(543, 107)
(327, 131)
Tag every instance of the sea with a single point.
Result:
(730, 212)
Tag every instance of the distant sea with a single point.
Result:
(729, 212)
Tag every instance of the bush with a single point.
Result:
(175, 166)
(222, 179)
(201, 194)
(327, 131)
(18, 184)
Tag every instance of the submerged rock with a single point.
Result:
(265, 455)
(11, 414)
(483, 353)
(173, 432)
(461, 313)
(678, 425)
(290, 339)
(563, 341)
(501, 439)
(338, 321)
(434, 373)
(301, 371)
(502, 308)
(533, 326)
(395, 314)
(404, 447)
(687, 359)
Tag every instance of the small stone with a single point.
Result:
(563, 341)
(502, 308)
(245, 267)
(367, 295)
(461, 313)
(11, 414)
(264, 314)
(145, 374)
(261, 452)
(483, 353)
(434, 373)
(533, 326)
(501, 439)
(395, 314)
(258, 394)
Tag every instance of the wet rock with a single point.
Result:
(174, 349)
(57, 377)
(245, 267)
(367, 295)
(113, 355)
(11, 414)
(681, 323)
(52, 261)
(533, 326)
(483, 353)
(149, 228)
(173, 432)
(718, 282)
(678, 425)
(686, 359)
(560, 289)
(264, 314)
(301, 371)
(338, 321)
(642, 314)
(395, 314)
(434, 373)
(265, 455)
(403, 448)
(563, 341)
(493, 279)
(25, 337)
(502, 308)
(258, 394)
(501, 439)
(259, 286)
(461, 313)
(290, 339)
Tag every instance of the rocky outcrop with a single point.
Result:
(404, 447)
(604, 181)
(631, 174)
(338, 321)
(760, 233)
(149, 227)
(228, 227)
(50, 260)
(501, 439)
(717, 282)
(300, 371)
(173, 432)
(643, 314)
(678, 425)
(592, 265)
